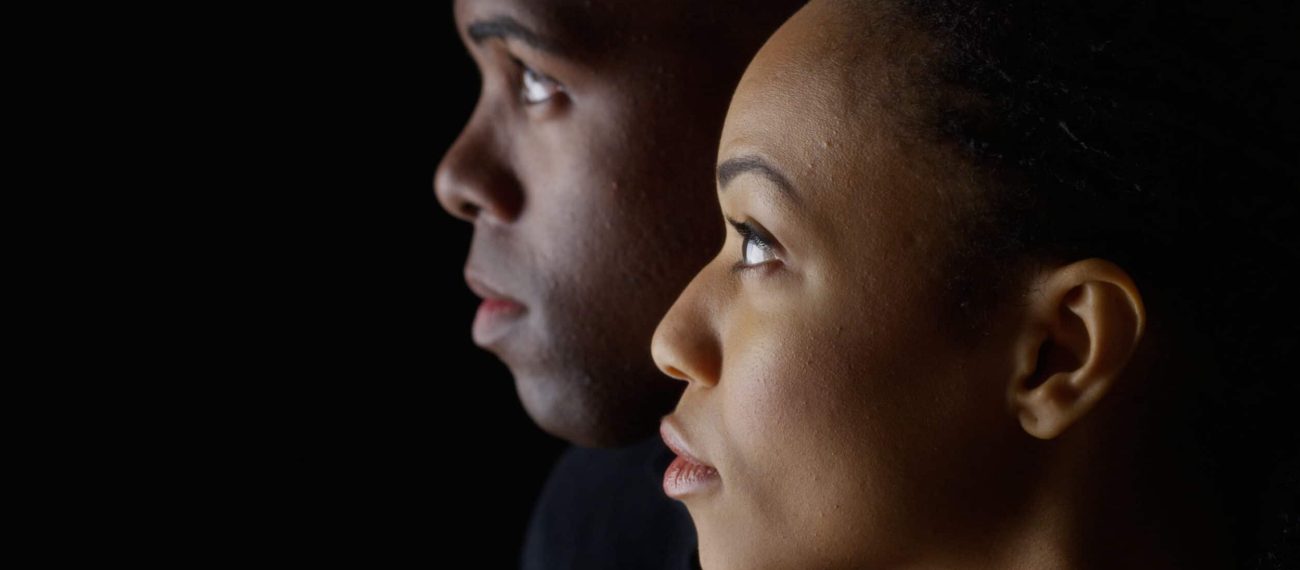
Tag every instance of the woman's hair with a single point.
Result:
(1163, 138)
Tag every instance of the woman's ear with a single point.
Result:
(1082, 323)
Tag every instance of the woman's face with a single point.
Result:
(847, 423)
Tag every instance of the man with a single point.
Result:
(587, 172)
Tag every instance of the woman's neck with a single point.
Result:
(1116, 494)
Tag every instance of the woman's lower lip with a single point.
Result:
(493, 318)
(684, 477)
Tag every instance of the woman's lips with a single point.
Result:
(686, 475)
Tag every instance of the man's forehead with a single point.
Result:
(600, 26)
(572, 21)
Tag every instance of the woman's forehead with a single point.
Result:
(821, 78)
(812, 98)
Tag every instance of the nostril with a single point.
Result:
(470, 210)
(675, 373)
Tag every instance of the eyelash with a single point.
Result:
(749, 233)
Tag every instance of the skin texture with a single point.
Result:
(850, 424)
(592, 205)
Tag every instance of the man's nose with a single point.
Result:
(473, 178)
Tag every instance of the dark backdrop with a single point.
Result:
(350, 418)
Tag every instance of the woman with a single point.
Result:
(1002, 289)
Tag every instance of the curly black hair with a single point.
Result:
(1162, 137)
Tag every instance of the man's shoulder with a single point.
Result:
(605, 508)
(639, 465)
(609, 483)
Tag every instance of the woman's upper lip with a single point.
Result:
(673, 439)
(483, 290)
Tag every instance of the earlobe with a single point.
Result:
(1082, 324)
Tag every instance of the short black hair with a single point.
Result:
(1162, 137)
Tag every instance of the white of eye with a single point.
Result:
(538, 88)
(754, 252)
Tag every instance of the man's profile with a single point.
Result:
(586, 171)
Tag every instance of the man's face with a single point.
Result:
(586, 170)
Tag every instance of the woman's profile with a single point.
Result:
(1003, 287)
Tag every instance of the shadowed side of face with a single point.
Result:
(823, 385)
(586, 171)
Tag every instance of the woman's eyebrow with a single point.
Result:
(505, 27)
(735, 166)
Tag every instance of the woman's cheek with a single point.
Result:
(783, 396)
(793, 418)
(760, 402)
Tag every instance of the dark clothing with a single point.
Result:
(605, 509)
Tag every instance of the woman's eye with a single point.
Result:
(755, 247)
(538, 88)
(755, 252)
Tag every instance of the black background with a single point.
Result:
(324, 401)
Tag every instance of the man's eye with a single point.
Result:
(538, 88)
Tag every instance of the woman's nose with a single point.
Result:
(475, 180)
(686, 345)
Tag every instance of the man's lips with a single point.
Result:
(485, 291)
(495, 314)
(687, 474)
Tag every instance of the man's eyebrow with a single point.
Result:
(505, 27)
(733, 167)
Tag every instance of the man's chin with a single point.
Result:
(592, 407)
(557, 409)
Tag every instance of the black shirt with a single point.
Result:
(606, 509)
